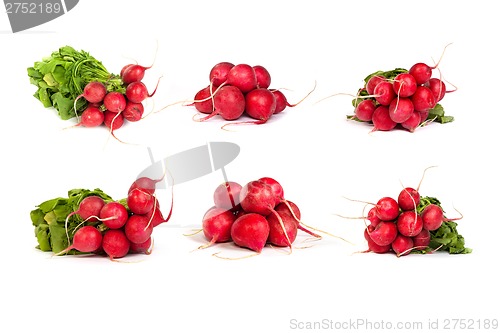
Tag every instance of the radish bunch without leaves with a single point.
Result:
(237, 90)
(401, 98)
(411, 224)
(252, 216)
(97, 224)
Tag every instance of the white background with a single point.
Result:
(316, 154)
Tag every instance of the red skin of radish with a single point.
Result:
(260, 104)
(115, 210)
(94, 92)
(432, 217)
(278, 191)
(404, 85)
(137, 92)
(251, 231)
(91, 117)
(384, 93)
(113, 120)
(263, 77)
(408, 198)
(137, 229)
(140, 201)
(205, 106)
(437, 87)
(423, 99)
(115, 243)
(276, 233)
(423, 115)
(156, 215)
(144, 247)
(409, 223)
(281, 101)
(373, 82)
(133, 111)
(364, 110)
(217, 223)
(257, 197)
(387, 209)
(422, 240)
(384, 233)
(372, 246)
(401, 109)
(412, 123)
(372, 217)
(218, 73)
(402, 245)
(243, 77)
(86, 239)
(229, 103)
(421, 72)
(133, 73)
(115, 102)
(382, 120)
(227, 196)
(145, 184)
(124, 68)
(90, 206)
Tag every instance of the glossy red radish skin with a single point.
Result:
(89, 208)
(138, 228)
(144, 247)
(373, 82)
(218, 73)
(281, 101)
(365, 109)
(422, 240)
(413, 122)
(113, 215)
(133, 73)
(115, 243)
(408, 198)
(260, 104)
(86, 239)
(263, 76)
(276, 187)
(91, 117)
(421, 72)
(251, 231)
(207, 105)
(432, 217)
(402, 245)
(382, 120)
(133, 111)
(409, 223)
(227, 195)
(257, 197)
(243, 77)
(115, 102)
(423, 99)
(387, 209)
(400, 109)
(140, 201)
(216, 224)
(113, 120)
(437, 87)
(384, 93)
(229, 103)
(277, 231)
(404, 85)
(384, 233)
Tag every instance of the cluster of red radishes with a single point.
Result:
(398, 226)
(252, 216)
(113, 108)
(235, 90)
(120, 228)
(404, 100)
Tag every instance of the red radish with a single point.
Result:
(260, 104)
(421, 72)
(115, 102)
(402, 245)
(206, 105)
(155, 215)
(115, 243)
(227, 196)
(387, 209)
(89, 208)
(124, 68)
(276, 188)
(384, 233)
(93, 92)
(251, 231)
(113, 120)
(137, 91)
(400, 109)
(257, 197)
(364, 110)
(281, 101)
(86, 239)
(145, 184)
(372, 246)
(277, 229)
(218, 73)
(404, 85)
(133, 73)
(91, 117)
(423, 99)
(217, 223)
(409, 223)
(263, 77)
(372, 217)
(382, 120)
(114, 215)
(432, 217)
(138, 228)
(140, 201)
(412, 123)
(423, 115)
(408, 198)
(373, 82)
(145, 247)
(384, 93)
(243, 77)
(133, 111)
(437, 87)
(422, 240)
(229, 103)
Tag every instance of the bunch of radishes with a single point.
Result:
(252, 216)
(235, 90)
(113, 108)
(117, 228)
(404, 98)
